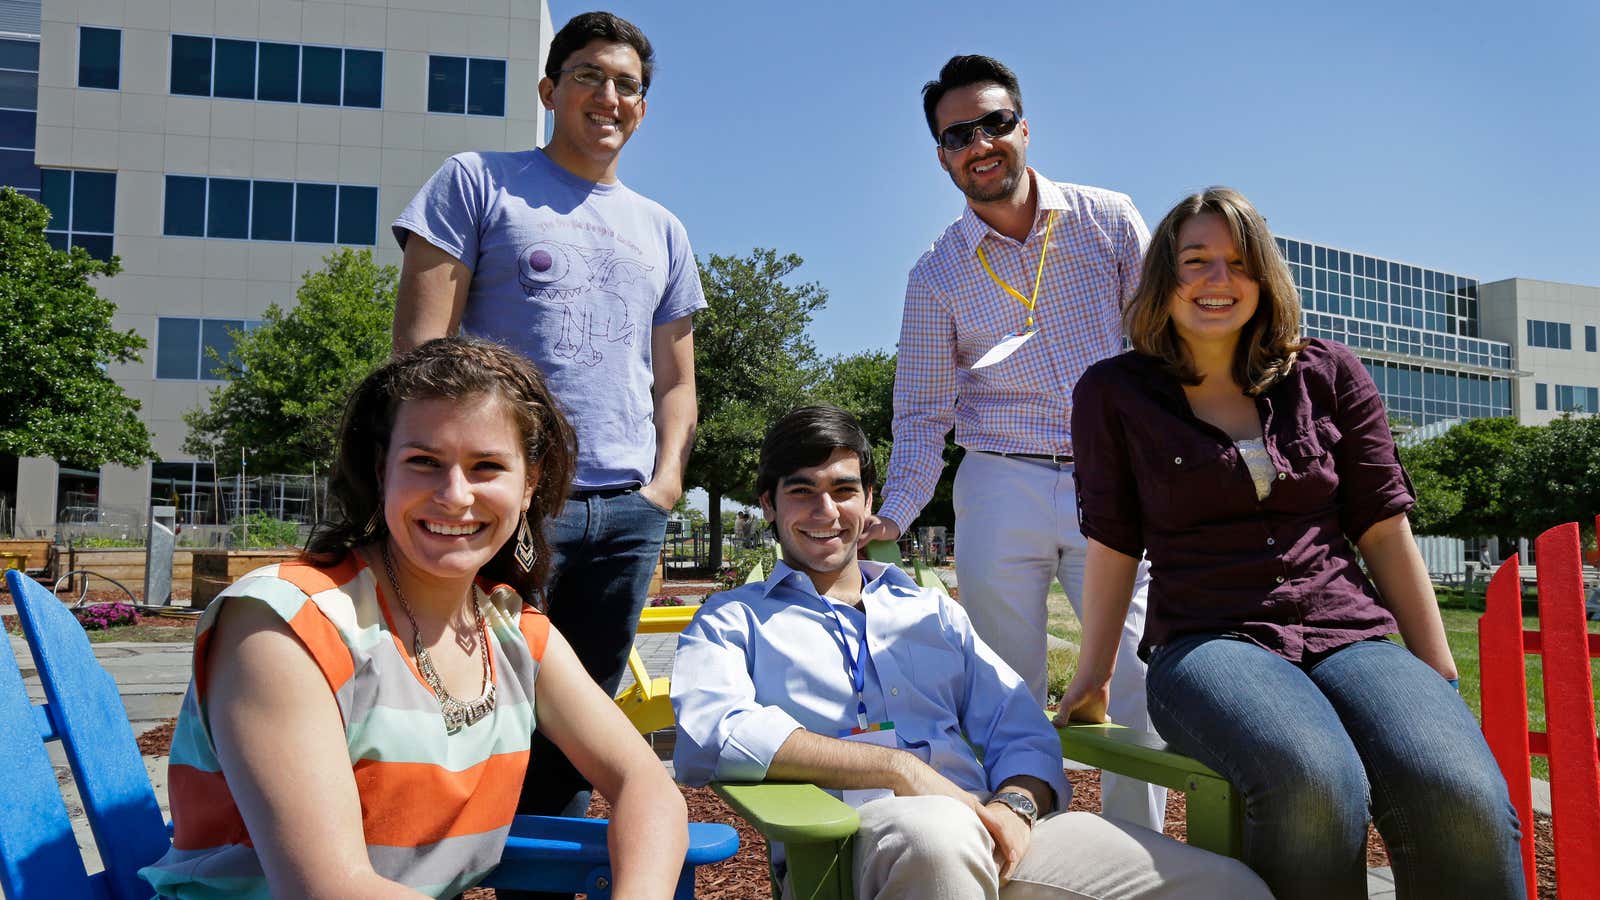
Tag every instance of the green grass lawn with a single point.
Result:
(1459, 609)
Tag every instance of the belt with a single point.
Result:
(1057, 458)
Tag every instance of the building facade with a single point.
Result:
(1553, 328)
(222, 149)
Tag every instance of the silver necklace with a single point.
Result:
(457, 715)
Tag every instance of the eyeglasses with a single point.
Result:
(595, 78)
(959, 136)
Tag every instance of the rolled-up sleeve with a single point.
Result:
(999, 715)
(723, 733)
(1373, 486)
(1108, 496)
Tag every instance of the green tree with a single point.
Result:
(753, 362)
(1461, 478)
(56, 341)
(1553, 476)
(289, 378)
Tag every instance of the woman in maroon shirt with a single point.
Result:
(1250, 466)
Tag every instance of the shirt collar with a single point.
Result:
(873, 575)
(974, 230)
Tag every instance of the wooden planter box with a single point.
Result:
(214, 570)
(123, 564)
(37, 552)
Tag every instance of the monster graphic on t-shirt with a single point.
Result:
(587, 283)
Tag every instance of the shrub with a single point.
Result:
(259, 531)
(666, 600)
(100, 616)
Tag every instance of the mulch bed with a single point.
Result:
(745, 875)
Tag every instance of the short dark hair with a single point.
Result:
(456, 369)
(807, 437)
(599, 26)
(961, 71)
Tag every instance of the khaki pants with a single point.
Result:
(934, 848)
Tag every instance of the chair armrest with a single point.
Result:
(790, 813)
(665, 619)
(1137, 754)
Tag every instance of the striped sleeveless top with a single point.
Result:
(435, 807)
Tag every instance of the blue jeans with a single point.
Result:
(1316, 747)
(605, 546)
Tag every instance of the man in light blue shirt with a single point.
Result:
(849, 675)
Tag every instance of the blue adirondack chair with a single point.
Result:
(39, 855)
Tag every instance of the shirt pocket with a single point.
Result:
(1310, 455)
(1181, 481)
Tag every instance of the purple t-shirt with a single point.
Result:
(574, 274)
(1153, 478)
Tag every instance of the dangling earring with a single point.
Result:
(524, 552)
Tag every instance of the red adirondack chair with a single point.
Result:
(1569, 739)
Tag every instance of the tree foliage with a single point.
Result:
(863, 385)
(753, 362)
(56, 341)
(1552, 476)
(1461, 480)
(289, 378)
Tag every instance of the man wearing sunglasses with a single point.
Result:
(546, 251)
(1014, 300)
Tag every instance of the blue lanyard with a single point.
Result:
(858, 675)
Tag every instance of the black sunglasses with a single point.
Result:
(999, 123)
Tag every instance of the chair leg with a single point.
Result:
(822, 871)
(1215, 815)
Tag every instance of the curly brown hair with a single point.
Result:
(1271, 338)
(457, 369)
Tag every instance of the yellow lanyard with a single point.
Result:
(1037, 277)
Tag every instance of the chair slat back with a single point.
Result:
(1569, 709)
(1504, 693)
(100, 747)
(38, 853)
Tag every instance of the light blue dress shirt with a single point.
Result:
(765, 659)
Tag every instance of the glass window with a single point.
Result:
(236, 69)
(1541, 396)
(447, 84)
(314, 206)
(177, 348)
(185, 214)
(228, 212)
(1566, 335)
(363, 78)
(22, 55)
(17, 130)
(191, 65)
(16, 170)
(19, 90)
(1589, 338)
(1322, 257)
(214, 335)
(358, 215)
(486, 87)
(320, 75)
(99, 57)
(94, 201)
(55, 192)
(272, 211)
(280, 73)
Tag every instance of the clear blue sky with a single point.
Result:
(1463, 136)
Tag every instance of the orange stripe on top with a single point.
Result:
(203, 812)
(411, 804)
(313, 579)
(322, 640)
(535, 627)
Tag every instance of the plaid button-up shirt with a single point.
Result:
(955, 312)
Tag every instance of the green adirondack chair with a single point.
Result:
(818, 830)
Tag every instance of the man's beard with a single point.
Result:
(1015, 171)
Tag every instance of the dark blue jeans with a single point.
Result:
(1367, 731)
(605, 546)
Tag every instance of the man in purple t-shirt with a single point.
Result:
(546, 251)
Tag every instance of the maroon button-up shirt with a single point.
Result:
(1153, 478)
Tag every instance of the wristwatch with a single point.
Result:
(1020, 804)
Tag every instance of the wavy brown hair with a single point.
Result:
(1271, 338)
(458, 369)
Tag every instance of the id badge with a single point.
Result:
(881, 734)
(1007, 346)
